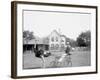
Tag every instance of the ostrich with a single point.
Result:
(40, 53)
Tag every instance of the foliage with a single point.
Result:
(27, 35)
(72, 42)
(84, 39)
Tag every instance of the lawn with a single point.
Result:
(78, 58)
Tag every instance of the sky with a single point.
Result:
(42, 23)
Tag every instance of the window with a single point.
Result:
(56, 39)
(62, 45)
(62, 40)
(57, 45)
(52, 39)
(52, 45)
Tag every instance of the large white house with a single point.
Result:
(54, 42)
(57, 41)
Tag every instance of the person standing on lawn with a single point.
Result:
(67, 52)
(66, 56)
(68, 48)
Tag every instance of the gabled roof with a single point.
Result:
(55, 32)
(58, 33)
(45, 40)
(63, 36)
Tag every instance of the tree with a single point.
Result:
(84, 39)
(27, 35)
(72, 42)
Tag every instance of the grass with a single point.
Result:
(78, 58)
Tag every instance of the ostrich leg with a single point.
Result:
(43, 60)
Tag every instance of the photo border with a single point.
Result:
(14, 37)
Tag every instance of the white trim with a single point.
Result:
(21, 72)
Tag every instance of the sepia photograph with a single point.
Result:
(53, 39)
